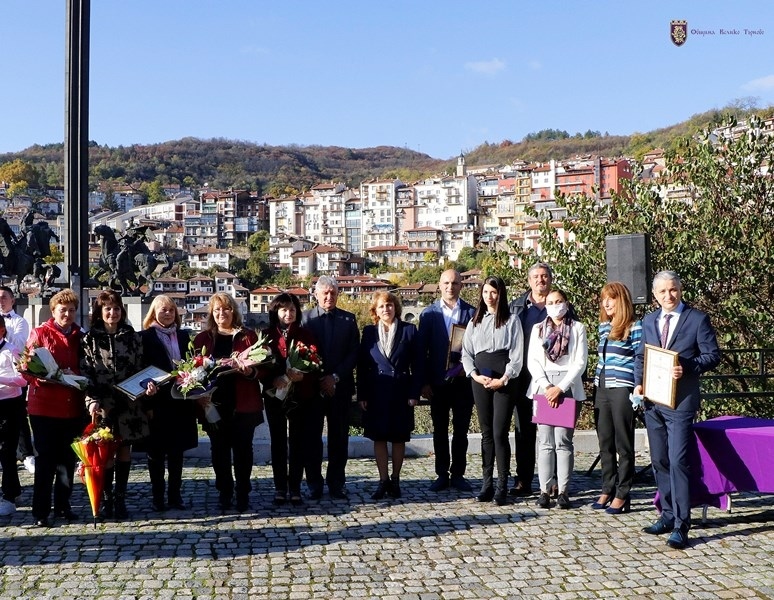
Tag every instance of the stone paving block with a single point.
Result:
(427, 545)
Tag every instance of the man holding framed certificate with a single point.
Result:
(677, 339)
(441, 329)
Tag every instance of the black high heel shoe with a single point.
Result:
(602, 505)
(624, 508)
(381, 490)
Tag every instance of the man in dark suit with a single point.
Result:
(530, 307)
(338, 337)
(445, 385)
(687, 331)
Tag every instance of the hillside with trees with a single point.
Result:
(275, 170)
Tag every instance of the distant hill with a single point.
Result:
(226, 163)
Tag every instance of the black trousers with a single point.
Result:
(9, 438)
(614, 416)
(494, 408)
(287, 445)
(336, 410)
(232, 436)
(25, 435)
(456, 397)
(174, 464)
(55, 464)
(526, 431)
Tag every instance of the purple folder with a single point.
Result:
(563, 415)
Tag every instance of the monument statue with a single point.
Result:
(126, 263)
(25, 255)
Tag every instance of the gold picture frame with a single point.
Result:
(658, 384)
(454, 355)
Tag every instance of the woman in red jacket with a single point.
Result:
(237, 398)
(57, 412)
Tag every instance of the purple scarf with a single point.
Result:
(556, 340)
(168, 338)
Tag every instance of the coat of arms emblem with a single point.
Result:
(678, 32)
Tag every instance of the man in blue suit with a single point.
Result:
(688, 332)
(338, 338)
(444, 384)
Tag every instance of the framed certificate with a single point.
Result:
(135, 386)
(454, 355)
(657, 382)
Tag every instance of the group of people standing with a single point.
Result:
(501, 358)
(536, 349)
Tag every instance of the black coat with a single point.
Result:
(173, 426)
(387, 384)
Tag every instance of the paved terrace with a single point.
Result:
(424, 546)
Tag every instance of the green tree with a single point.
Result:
(709, 218)
(284, 278)
(153, 191)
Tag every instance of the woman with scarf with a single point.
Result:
(287, 416)
(112, 352)
(172, 420)
(492, 354)
(388, 387)
(556, 360)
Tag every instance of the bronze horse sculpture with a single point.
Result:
(127, 261)
(24, 255)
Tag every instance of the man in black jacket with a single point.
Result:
(530, 307)
(338, 338)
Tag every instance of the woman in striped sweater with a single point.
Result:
(620, 334)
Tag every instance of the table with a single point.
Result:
(732, 454)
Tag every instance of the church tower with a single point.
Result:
(461, 170)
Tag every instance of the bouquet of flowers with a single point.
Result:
(257, 354)
(94, 449)
(194, 372)
(38, 361)
(302, 358)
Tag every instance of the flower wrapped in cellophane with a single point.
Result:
(95, 448)
(257, 354)
(301, 358)
(39, 361)
(195, 378)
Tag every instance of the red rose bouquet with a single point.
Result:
(301, 358)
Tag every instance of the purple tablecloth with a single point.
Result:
(732, 454)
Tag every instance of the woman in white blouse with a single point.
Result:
(492, 350)
(556, 359)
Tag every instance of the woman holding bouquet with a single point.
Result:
(57, 415)
(172, 420)
(237, 398)
(388, 387)
(296, 390)
(112, 352)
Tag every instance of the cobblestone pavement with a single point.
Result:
(424, 546)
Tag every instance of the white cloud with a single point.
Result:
(486, 67)
(762, 84)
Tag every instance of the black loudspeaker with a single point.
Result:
(628, 261)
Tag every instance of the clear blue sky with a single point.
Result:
(438, 76)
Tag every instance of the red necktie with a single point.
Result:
(665, 330)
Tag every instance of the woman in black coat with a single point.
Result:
(388, 387)
(173, 427)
